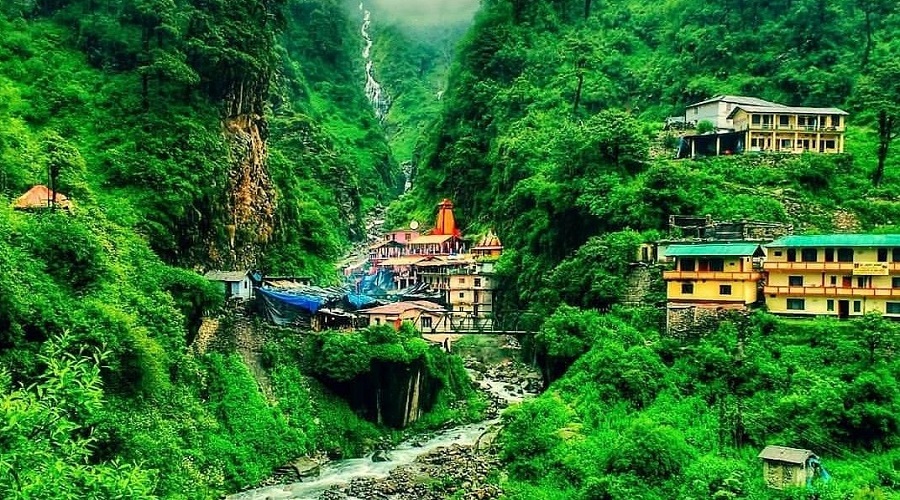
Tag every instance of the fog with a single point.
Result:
(424, 12)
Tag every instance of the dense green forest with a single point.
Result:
(194, 134)
(551, 131)
(189, 135)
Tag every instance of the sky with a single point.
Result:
(425, 12)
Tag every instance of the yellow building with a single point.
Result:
(790, 129)
(834, 274)
(709, 277)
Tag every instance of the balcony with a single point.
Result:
(820, 266)
(770, 127)
(712, 275)
(832, 291)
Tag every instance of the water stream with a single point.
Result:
(341, 472)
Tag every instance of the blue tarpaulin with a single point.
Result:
(359, 301)
(310, 303)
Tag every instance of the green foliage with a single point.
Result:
(705, 127)
(639, 416)
(47, 444)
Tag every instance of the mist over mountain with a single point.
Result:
(427, 12)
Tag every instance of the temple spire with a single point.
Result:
(446, 223)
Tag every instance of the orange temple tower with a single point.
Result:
(446, 223)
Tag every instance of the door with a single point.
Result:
(843, 308)
(846, 281)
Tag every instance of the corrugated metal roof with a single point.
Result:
(737, 99)
(393, 243)
(714, 249)
(401, 307)
(401, 261)
(430, 239)
(788, 109)
(838, 240)
(226, 275)
(785, 454)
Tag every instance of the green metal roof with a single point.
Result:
(838, 240)
(714, 249)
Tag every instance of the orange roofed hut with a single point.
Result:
(40, 196)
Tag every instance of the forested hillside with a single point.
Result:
(189, 135)
(227, 133)
(553, 108)
(551, 132)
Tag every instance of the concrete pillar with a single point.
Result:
(693, 148)
(718, 145)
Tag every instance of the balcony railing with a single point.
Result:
(832, 291)
(793, 128)
(712, 275)
(819, 266)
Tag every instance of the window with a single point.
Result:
(809, 254)
(833, 281)
(829, 255)
(895, 282)
(895, 255)
(688, 264)
(792, 255)
(717, 265)
(845, 254)
(784, 121)
(687, 288)
(754, 142)
(829, 144)
(829, 305)
(724, 289)
(796, 304)
(795, 280)
(426, 321)
(377, 321)
(408, 236)
(462, 295)
(696, 111)
(882, 255)
(861, 281)
(785, 144)
(892, 307)
(754, 119)
(462, 281)
(836, 121)
(779, 253)
(477, 281)
(857, 306)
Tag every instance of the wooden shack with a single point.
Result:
(786, 467)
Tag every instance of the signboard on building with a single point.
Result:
(870, 268)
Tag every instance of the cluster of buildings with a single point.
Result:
(438, 280)
(445, 281)
(743, 124)
(839, 275)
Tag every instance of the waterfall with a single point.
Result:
(374, 92)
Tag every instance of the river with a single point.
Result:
(340, 473)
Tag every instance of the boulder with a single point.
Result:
(381, 456)
(306, 467)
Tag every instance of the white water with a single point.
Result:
(341, 472)
(374, 91)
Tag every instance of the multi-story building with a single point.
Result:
(709, 277)
(741, 124)
(790, 129)
(716, 110)
(838, 275)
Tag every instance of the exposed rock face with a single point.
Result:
(249, 215)
(393, 394)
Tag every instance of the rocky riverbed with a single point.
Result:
(456, 461)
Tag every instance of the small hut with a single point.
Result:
(238, 284)
(39, 197)
(787, 467)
